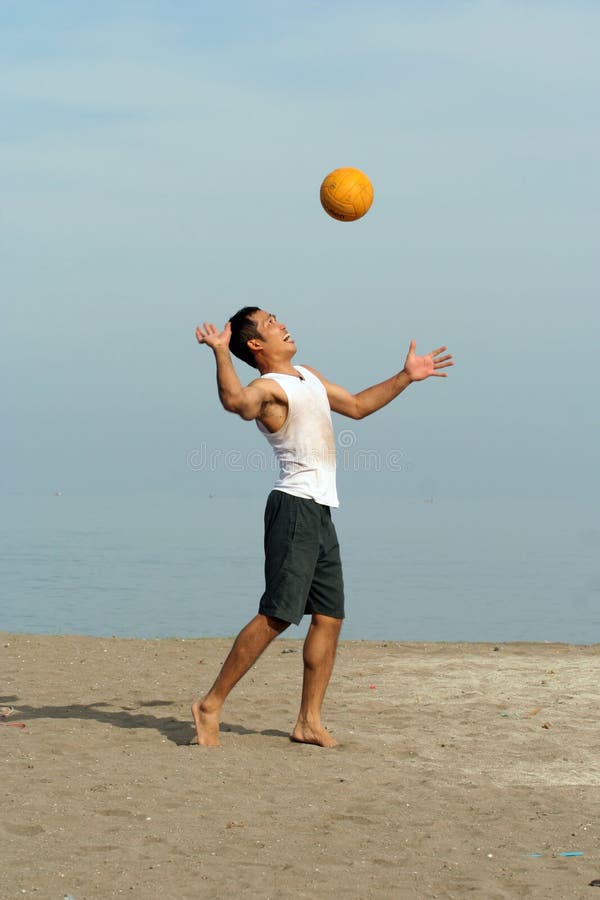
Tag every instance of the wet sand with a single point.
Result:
(458, 762)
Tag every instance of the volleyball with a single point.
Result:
(346, 194)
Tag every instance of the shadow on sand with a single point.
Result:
(173, 729)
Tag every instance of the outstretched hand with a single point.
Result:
(420, 367)
(211, 336)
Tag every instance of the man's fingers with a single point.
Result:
(438, 351)
(203, 333)
(206, 333)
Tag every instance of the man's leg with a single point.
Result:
(249, 644)
(319, 655)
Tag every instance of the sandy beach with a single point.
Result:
(466, 770)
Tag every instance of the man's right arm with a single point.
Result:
(247, 402)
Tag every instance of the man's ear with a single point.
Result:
(254, 344)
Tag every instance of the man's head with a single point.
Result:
(255, 331)
(243, 329)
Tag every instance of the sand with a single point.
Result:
(458, 762)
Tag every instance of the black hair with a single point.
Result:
(243, 329)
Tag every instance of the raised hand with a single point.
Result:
(211, 336)
(420, 367)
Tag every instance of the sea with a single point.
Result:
(157, 566)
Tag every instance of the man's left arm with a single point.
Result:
(416, 368)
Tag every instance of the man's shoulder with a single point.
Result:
(269, 387)
(262, 381)
(315, 373)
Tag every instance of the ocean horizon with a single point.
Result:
(415, 570)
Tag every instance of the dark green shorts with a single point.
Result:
(303, 570)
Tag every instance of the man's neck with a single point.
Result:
(265, 367)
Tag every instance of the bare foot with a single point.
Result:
(304, 734)
(207, 726)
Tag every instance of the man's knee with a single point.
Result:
(326, 622)
(277, 625)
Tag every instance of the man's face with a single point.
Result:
(272, 333)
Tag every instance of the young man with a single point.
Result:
(292, 408)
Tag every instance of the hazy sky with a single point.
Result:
(160, 165)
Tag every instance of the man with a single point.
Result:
(292, 407)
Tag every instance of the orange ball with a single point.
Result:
(346, 194)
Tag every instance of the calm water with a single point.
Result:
(176, 566)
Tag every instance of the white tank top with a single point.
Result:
(304, 445)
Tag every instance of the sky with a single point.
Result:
(160, 166)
